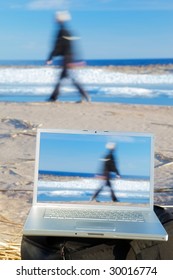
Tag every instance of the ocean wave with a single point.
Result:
(95, 91)
(89, 184)
(44, 75)
(100, 83)
(83, 190)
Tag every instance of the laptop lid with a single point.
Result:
(69, 166)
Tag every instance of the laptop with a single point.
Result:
(78, 192)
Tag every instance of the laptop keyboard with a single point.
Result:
(96, 214)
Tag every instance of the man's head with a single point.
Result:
(110, 146)
(62, 16)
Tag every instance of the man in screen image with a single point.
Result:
(108, 167)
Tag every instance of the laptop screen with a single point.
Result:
(94, 167)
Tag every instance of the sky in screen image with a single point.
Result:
(84, 153)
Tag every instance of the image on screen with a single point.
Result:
(76, 168)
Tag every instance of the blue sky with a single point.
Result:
(82, 153)
(109, 29)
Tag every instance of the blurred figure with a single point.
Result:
(108, 167)
(63, 47)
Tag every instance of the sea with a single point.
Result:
(82, 186)
(34, 81)
(128, 191)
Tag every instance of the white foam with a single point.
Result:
(89, 184)
(86, 187)
(41, 80)
(46, 75)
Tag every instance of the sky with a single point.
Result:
(108, 29)
(84, 153)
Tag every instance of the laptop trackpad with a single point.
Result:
(96, 225)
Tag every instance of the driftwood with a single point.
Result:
(10, 250)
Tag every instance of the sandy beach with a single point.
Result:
(18, 125)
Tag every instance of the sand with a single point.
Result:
(18, 125)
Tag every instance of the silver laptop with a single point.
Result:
(94, 184)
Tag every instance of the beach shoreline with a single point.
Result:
(129, 69)
(134, 84)
(18, 126)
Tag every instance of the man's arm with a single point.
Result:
(57, 49)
